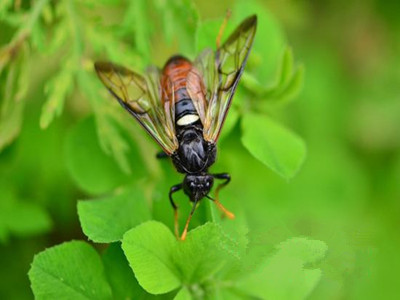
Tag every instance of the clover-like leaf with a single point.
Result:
(284, 276)
(106, 220)
(203, 253)
(148, 248)
(120, 276)
(20, 218)
(72, 270)
(183, 294)
(273, 145)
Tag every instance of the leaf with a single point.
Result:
(57, 89)
(59, 36)
(287, 86)
(38, 37)
(309, 251)
(111, 140)
(72, 270)
(135, 18)
(292, 88)
(203, 253)
(286, 67)
(93, 171)
(26, 219)
(11, 111)
(148, 248)
(4, 6)
(283, 275)
(185, 22)
(120, 276)
(183, 294)
(106, 220)
(273, 145)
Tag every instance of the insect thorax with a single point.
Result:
(194, 154)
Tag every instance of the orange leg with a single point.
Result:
(183, 236)
(226, 212)
(176, 223)
(174, 189)
(222, 28)
(227, 178)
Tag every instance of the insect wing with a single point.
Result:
(140, 95)
(221, 72)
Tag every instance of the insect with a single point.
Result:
(184, 106)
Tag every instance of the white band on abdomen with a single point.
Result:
(187, 119)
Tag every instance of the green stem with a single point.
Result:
(213, 215)
(75, 32)
(26, 29)
(22, 34)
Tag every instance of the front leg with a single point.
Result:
(224, 176)
(227, 178)
(174, 189)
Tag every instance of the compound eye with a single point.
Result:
(207, 184)
(192, 184)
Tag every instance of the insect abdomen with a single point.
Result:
(174, 87)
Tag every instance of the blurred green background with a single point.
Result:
(346, 193)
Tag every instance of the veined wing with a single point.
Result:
(141, 96)
(213, 80)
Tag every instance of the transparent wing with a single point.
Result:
(141, 96)
(219, 73)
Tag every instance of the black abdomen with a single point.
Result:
(174, 80)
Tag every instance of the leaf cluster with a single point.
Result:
(144, 259)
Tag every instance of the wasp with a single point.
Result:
(183, 107)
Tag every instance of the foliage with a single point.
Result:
(62, 138)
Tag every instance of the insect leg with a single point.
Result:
(227, 179)
(222, 28)
(174, 189)
(183, 236)
(161, 154)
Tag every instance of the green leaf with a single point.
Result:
(148, 248)
(283, 275)
(89, 166)
(287, 86)
(57, 89)
(183, 294)
(71, 270)
(59, 36)
(185, 21)
(110, 137)
(26, 219)
(203, 253)
(273, 145)
(286, 67)
(20, 218)
(106, 220)
(120, 276)
(135, 18)
(309, 251)
(4, 6)
(11, 111)
(290, 91)
(38, 37)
